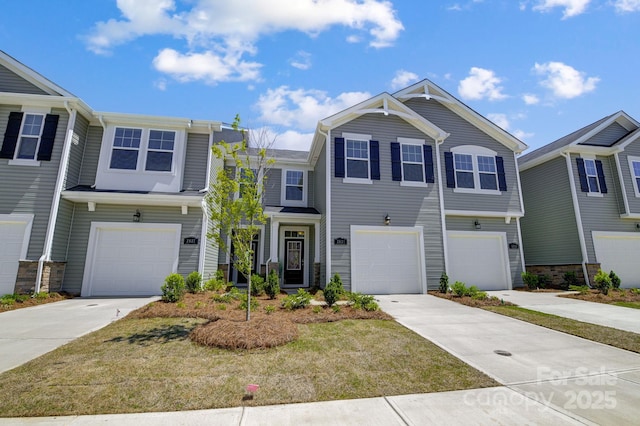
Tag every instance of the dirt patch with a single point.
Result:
(469, 301)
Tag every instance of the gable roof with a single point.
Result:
(32, 77)
(579, 137)
(430, 91)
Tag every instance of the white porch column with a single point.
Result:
(316, 235)
(275, 236)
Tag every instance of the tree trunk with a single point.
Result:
(249, 297)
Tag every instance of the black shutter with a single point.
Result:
(450, 171)
(48, 137)
(396, 164)
(502, 180)
(374, 157)
(603, 184)
(11, 135)
(582, 174)
(428, 164)
(339, 158)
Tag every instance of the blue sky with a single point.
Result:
(538, 68)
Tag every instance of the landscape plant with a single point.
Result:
(570, 278)
(333, 290)
(173, 288)
(194, 282)
(444, 283)
(298, 300)
(615, 280)
(530, 280)
(272, 285)
(257, 285)
(602, 282)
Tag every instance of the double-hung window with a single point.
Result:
(357, 158)
(126, 147)
(29, 139)
(155, 147)
(592, 175)
(464, 171)
(472, 168)
(412, 164)
(29, 136)
(487, 172)
(248, 181)
(293, 193)
(634, 167)
(160, 152)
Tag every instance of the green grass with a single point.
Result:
(142, 365)
(634, 305)
(597, 333)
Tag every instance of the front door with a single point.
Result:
(293, 245)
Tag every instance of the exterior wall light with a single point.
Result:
(137, 216)
(476, 224)
(387, 220)
(637, 226)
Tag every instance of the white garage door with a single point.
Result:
(387, 260)
(14, 231)
(130, 259)
(479, 258)
(619, 252)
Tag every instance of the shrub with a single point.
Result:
(570, 279)
(300, 300)
(530, 280)
(444, 283)
(317, 309)
(583, 289)
(173, 288)
(635, 290)
(221, 307)
(333, 290)
(228, 297)
(363, 301)
(544, 281)
(216, 283)
(272, 286)
(336, 308)
(243, 303)
(479, 295)
(257, 285)
(602, 282)
(459, 289)
(194, 282)
(199, 305)
(269, 309)
(41, 296)
(615, 280)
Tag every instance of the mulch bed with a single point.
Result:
(33, 301)
(466, 300)
(622, 295)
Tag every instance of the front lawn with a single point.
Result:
(148, 363)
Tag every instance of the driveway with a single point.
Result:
(30, 332)
(583, 380)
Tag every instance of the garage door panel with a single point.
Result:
(14, 234)
(619, 252)
(130, 260)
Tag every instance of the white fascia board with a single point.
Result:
(632, 216)
(316, 146)
(279, 216)
(46, 101)
(480, 213)
(159, 121)
(133, 198)
(629, 139)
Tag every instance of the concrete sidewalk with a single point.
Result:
(619, 317)
(27, 333)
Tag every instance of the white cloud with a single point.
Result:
(530, 99)
(522, 135)
(403, 79)
(481, 84)
(565, 81)
(499, 120)
(625, 6)
(301, 108)
(160, 84)
(571, 7)
(290, 139)
(301, 61)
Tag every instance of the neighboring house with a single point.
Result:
(97, 203)
(582, 197)
(414, 184)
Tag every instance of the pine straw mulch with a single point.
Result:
(615, 295)
(27, 301)
(227, 326)
(469, 301)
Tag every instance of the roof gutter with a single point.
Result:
(55, 203)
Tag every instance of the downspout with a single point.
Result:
(515, 161)
(55, 203)
(576, 209)
(327, 191)
(443, 221)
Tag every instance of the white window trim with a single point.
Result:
(283, 191)
(631, 160)
(143, 149)
(474, 151)
(43, 111)
(173, 151)
(411, 141)
(588, 157)
(363, 138)
(239, 170)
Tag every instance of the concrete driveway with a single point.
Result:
(584, 380)
(30, 332)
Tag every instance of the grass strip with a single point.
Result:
(597, 333)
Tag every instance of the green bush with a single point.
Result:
(478, 295)
(615, 280)
(243, 302)
(570, 279)
(7, 300)
(257, 285)
(459, 289)
(583, 289)
(173, 288)
(300, 300)
(42, 295)
(194, 282)
(333, 290)
(634, 290)
(602, 282)
(444, 283)
(544, 281)
(269, 309)
(272, 286)
(530, 280)
(363, 301)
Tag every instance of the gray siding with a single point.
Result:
(549, 230)
(273, 187)
(79, 239)
(599, 213)
(62, 231)
(76, 152)
(608, 136)
(12, 83)
(210, 255)
(319, 201)
(613, 185)
(195, 163)
(29, 190)
(355, 204)
(464, 133)
(90, 156)
(494, 225)
(632, 150)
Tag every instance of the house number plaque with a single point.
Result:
(340, 241)
(191, 240)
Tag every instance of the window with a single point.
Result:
(634, 167)
(29, 139)
(412, 166)
(246, 174)
(160, 152)
(293, 183)
(471, 168)
(29, 136)
(126, 144)
(357, 159)
(592, 175)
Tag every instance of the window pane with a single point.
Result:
(486, 164)
(357, 149)
(126, 159)
(638, 183)
(593, 184)
(294, 193)
(32, 125)
(159, 161)
(488, 181)
(412, 153)
(590, 167)
(464, 180)
(28, 148)
(464, 162)
(358, 169)
(636, 168)
(127, 138)
(413, 172)
(161, 140)
(294, 178)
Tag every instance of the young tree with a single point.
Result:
(235, 199)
